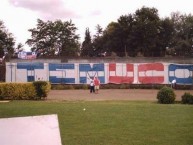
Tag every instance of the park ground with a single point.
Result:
(110, 94)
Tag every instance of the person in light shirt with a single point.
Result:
(92, 89)
(174, 83)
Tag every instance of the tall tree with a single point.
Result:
(134, 33)
(98, 42)
(58, 37)
(7, 41)
(99, 30)
(183, 25)
(165, 35)
(126, 24)
(113, 37)
(87, 49)
(145, 30)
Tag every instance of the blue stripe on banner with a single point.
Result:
(98, 67)
(87, 67)
(102, 80)
(53, 67)
(83, 80)
(30, 78)
(62, 80)
(30, 66)
(174, 67)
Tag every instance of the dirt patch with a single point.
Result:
(110, 94)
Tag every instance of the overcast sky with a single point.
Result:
(20, 15)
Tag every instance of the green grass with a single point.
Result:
(113, 122)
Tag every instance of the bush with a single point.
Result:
(24, 91)
(187, 98)
(21, 91)
(166, 95)
(2, 91)
(57, 87)
(42, 88)
(85, 86)
(71, 87)
(17, 91)
(123, 86)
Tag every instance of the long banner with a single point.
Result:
(117, 73)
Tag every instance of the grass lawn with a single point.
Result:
(112, 122)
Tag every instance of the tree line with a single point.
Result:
(142, 33)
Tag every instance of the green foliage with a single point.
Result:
(63, 87)
(143, 33)
(51, 38)
(166, 95)
(69, 87)
(123, 86)
(85, 86)
(183, 33)
(106, 86)
(16, 91)
(86, 49)
(42, 88)
(187, 98)
(57, 87)
(81, 86)
(116, 86)
(7, 41)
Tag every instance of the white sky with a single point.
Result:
(20, 15)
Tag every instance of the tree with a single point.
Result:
(165, 35)
(7, 41)
(126, 24)
(183, 25)
(18, 49)
(98, 42)
(99, 30)
(87, 49)
(51, 38)
(135, 33)
(145, 31)
(113, 39)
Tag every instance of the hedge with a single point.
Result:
(24, 91)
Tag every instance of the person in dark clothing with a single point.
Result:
(92, 90)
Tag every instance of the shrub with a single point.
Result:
(42, 88)
(29, 91)
(70, 87)
(17, 91)
(123, 86)
(113, 86)
(57, 87)
(166, 95)
(85, 86)
(187, 98)
(1, 91)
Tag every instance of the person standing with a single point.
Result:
(174, 83)
(96, 84)
(92, 89)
